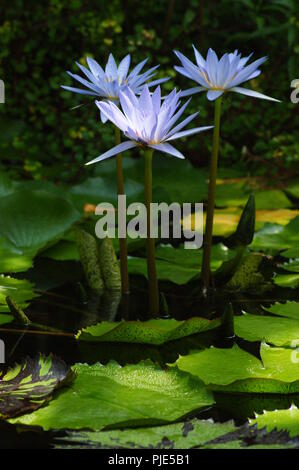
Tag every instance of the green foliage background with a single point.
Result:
(42, 138)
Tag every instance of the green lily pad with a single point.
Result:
(279, 420)
(235, 370)
(12, 259)
(115, 396)
(64, 250)
(293, 189)
(287, 280)
(6, 186)
(103, 189)
(231, 195)
(20, 290)
(292, 266)
(271, 198)
(274, 330)
(291, 252)
(29, 385)
(226, 220)
(173, 436)
(273, 238)
(5, 318)
(290, 309)
(31, 219)
(148, 332)
(180, 265)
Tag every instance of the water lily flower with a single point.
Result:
(109, 82)
(147, 121)
(217, 76)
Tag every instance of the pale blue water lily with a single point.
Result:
(148, 121)
(217, 76)
(109, 82)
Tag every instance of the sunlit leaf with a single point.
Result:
(279, 420)
(274, 330)
(289, 309)
(21, 291)
(115, 396)
(149, 332)
(235, 370)
(287, 280)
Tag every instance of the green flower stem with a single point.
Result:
(205, 270)
(150, 242)
(125, 285)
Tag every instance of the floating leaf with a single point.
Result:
(274, 330)
(272, 198)
(173, 436)
(226, 220)
(115, 396)
(103, 189)
(21, 291)
(31, 219)
(180, 265)
(148, 332)
(279, 420)
(292, 266)
(12, 259)
(27, 386)
(293, 189)
(291, 252)
(230, 195)
(4, 318)
(289, 309)
(64, 250)
(287, 280)
(235, 370)
(274, 238)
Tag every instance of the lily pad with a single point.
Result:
(235, 370)
(272, 198)
(148, 332)
(5, 318)
(287, 280)
(274, 238)
(292, 266)
(29, 385)
(180, 265)
(64, 250)
(114, 396)
(173, 436)
(293, 189)
(103, 189)
(291, 252)
(290, 309)
(226, 220)
(20, 290)
(274, 330)
(12, 259)
(31, 219)
(279, 420)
